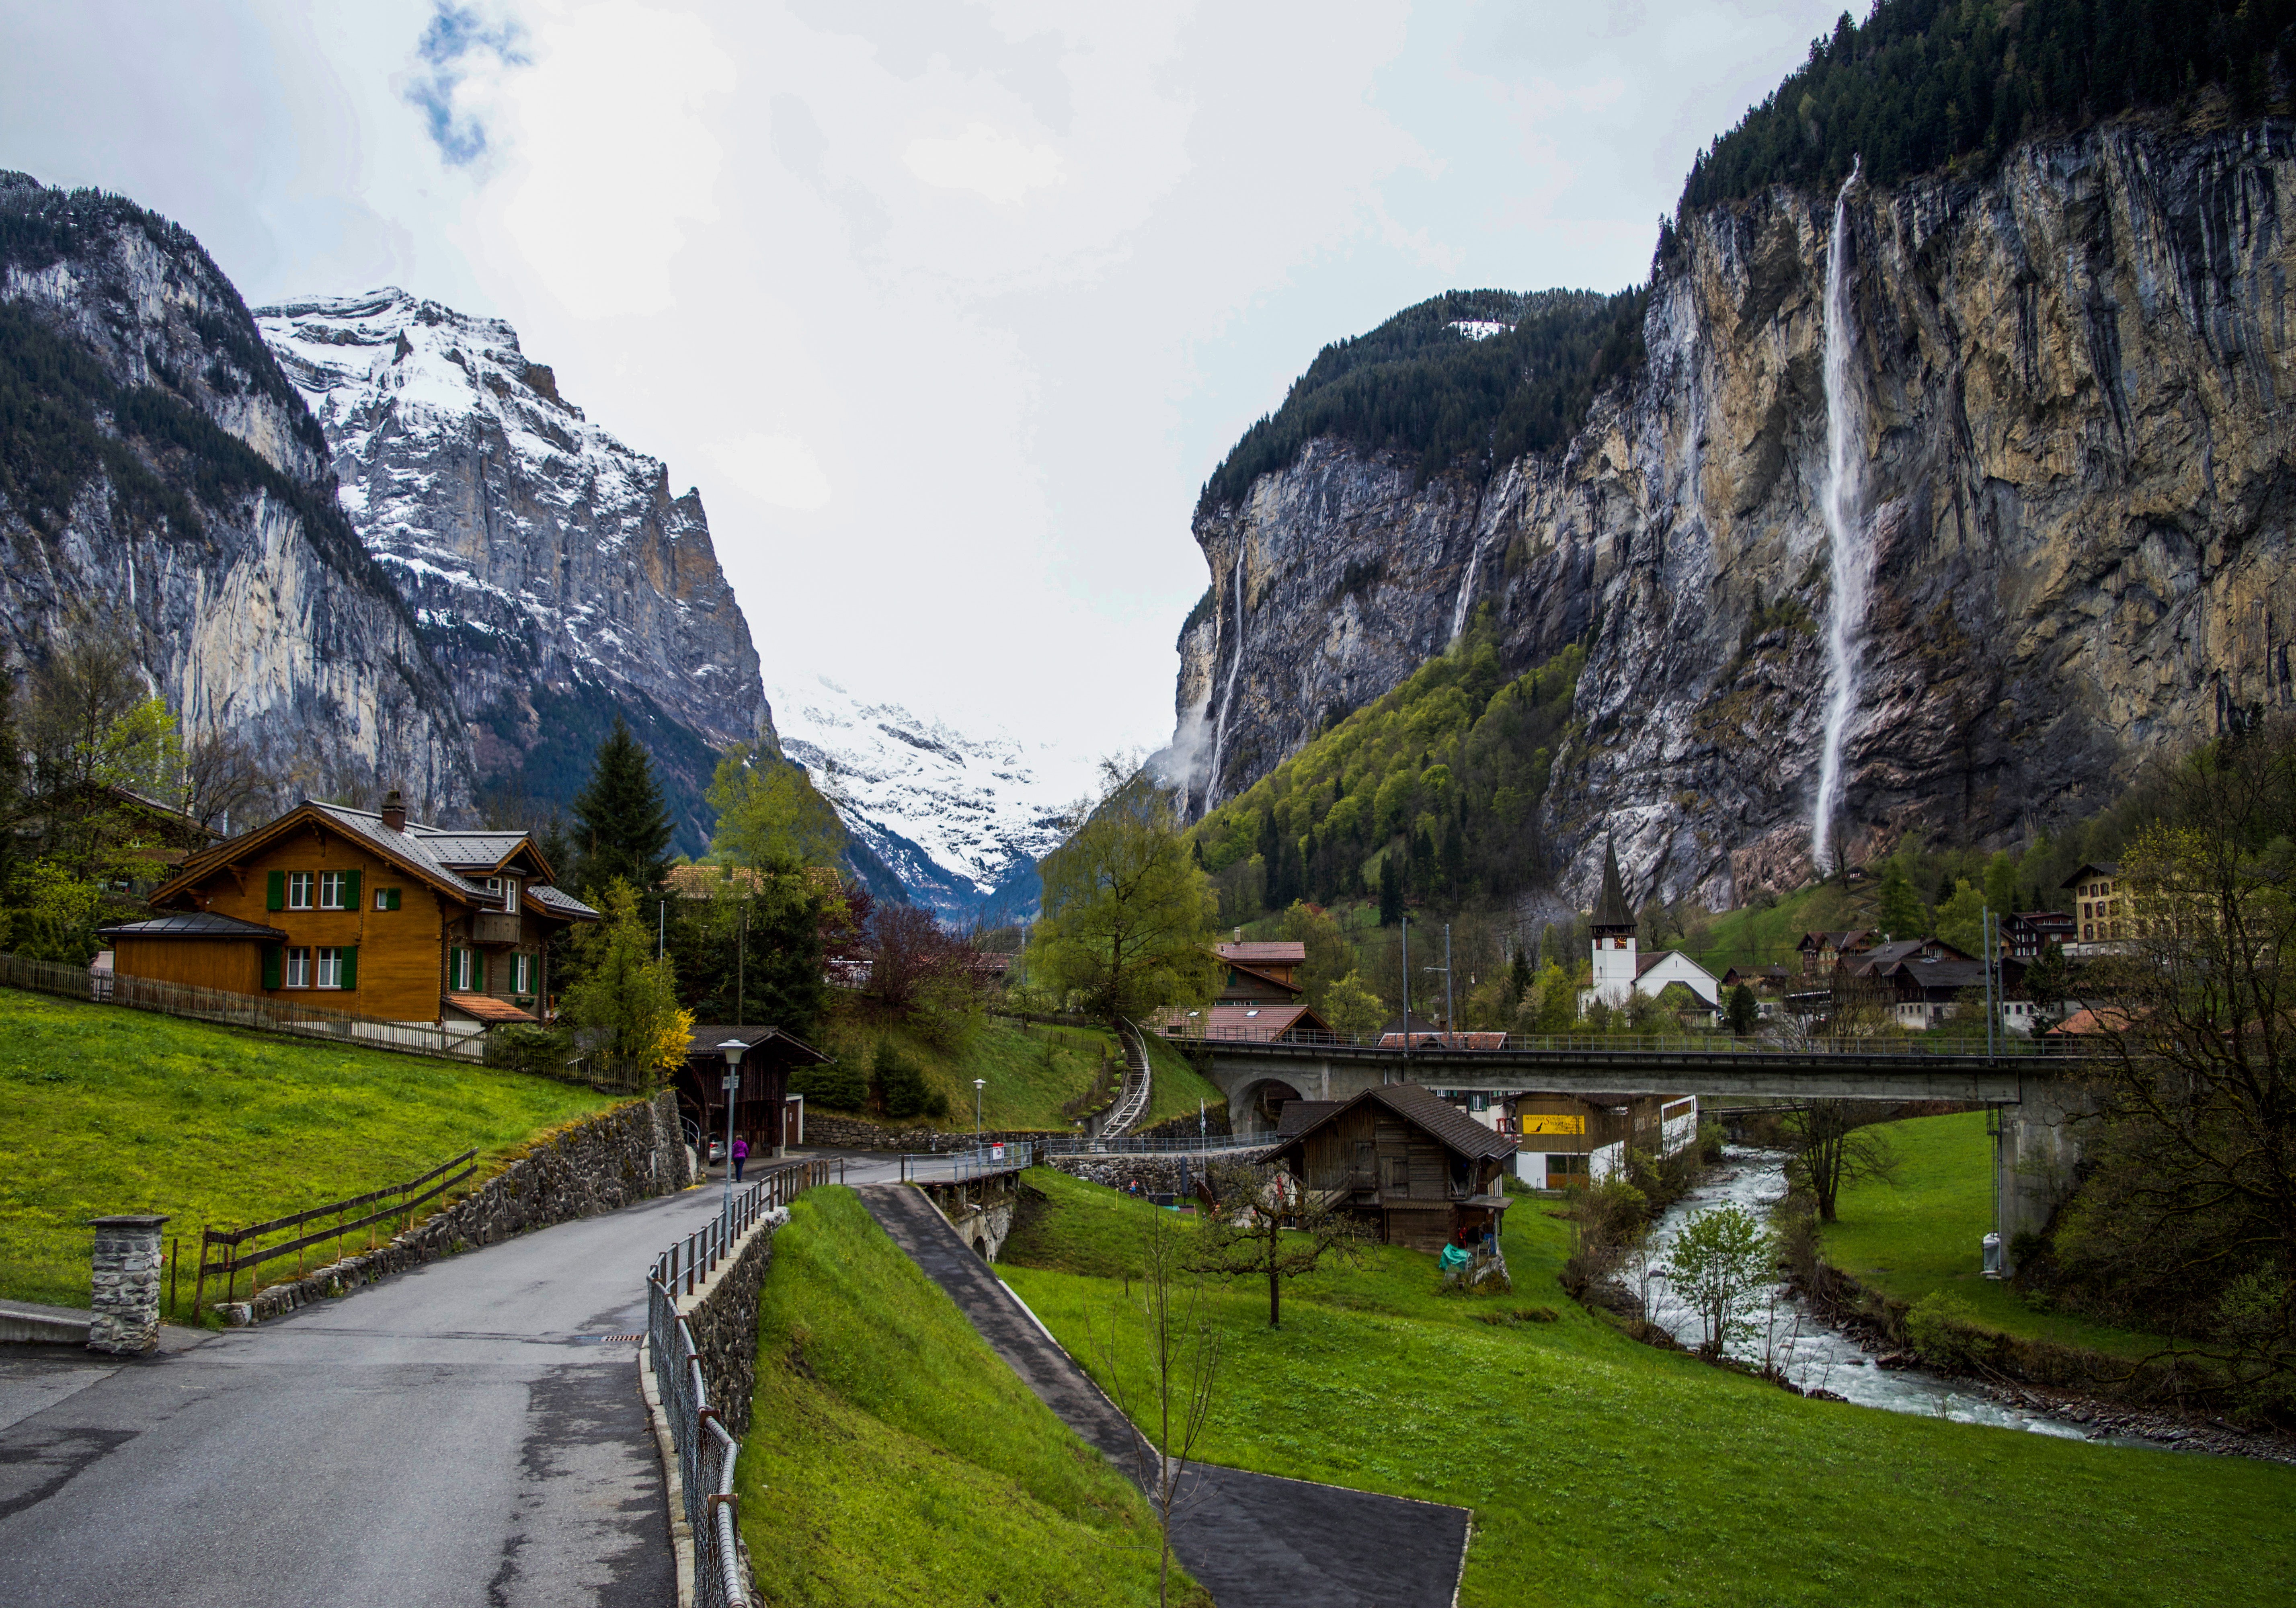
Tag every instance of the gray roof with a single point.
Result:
(1298, 1116)
(708, 1035)
(410, 846)
(564, 904)
(482, 850)
(438, 850)
(194, 924)
(1423, 1108)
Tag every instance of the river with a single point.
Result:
(1809, 1353)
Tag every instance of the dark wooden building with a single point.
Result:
(1420, 1170)
(762, 1113)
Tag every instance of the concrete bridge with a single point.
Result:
(2039, 1098)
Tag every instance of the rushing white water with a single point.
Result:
(1851, 547)
(1466, 593)
(1227, 694)
(1796, 1340)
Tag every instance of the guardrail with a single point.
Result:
(987, 1160)
(1468, 1042)
(1151, 1147)
(706, 1449)
(1132, 1104)
(403, 1201)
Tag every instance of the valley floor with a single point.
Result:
(1604, 1471)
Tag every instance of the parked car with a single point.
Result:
(717, 1152)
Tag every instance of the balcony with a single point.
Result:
(494, 927)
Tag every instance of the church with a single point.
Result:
(1621, 970)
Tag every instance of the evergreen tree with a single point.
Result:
(1518, 976)
(1744, 1010)
(621, 825)
(1897, 906)
(1390, 890)
(2001, 885)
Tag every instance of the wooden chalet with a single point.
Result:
(2025, 933)
(1420, 1170)
(1821, 952)
(363, 911)
(763, 1111)
(1261, 997)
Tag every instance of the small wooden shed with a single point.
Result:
(1424, 1172)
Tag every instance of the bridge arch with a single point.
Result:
(1252, 1108)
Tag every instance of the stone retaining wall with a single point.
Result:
(1156, 1174)
(1213, 1124)
(824, 1132)
(632, 1153)
(723, 1315)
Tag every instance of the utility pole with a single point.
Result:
(1403, 922)
(1445, 969)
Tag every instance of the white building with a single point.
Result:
(1621, 970)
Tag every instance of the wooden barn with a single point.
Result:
(762, 1113)
(1418, 1168)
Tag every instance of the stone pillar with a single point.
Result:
(2038, 1152)
(126, 1319)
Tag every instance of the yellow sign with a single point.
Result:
(1542, 1122)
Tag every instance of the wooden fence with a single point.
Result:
(241, 1253)
(261, 1011)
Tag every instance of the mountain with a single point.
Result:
(956, 821)
(553, 576)
(157, 468)
(1953, 498)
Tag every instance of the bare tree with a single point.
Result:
(1168, 1409)
(1267, 1224)
(1835, 1142)
(221, 775)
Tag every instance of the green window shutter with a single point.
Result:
(390, 898)
(350, 961)
(274, 893)
(271, 951)
(350, 890)
(453, 970)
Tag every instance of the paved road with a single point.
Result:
(454, 1436)
(1251, 1540)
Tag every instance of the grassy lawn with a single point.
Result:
(1925, 1232)
(1602, 1471)
(1751, 937)
(893, 1458)
(1030, 1072)
(106, 1111)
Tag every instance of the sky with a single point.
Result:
(947, 310)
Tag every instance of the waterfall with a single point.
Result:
(1228, 693)
(1851, 549)
(1466, 592)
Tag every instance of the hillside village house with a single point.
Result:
(765, 1112)
(1821, 952)
(1573, 1141)
(2025, 933)
(1414, 1168)
(1260, 994)
(362, 912)
(2102, 908)
(1621, 970)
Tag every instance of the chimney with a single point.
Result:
(1238, 935)
(394, 811)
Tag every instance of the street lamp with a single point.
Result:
(732, 1049)
(977, 1085)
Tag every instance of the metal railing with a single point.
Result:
(1465, 1042)
(987, 1160)
(706, 1449)
(1132, 1104)
(1150, 1147)
(261, 1011)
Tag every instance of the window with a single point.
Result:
(386, 899)
(1394, 1175)
(329, 968)
(331, 890)
(462, 965)
(299, 891)
(505, 889)
(2087, 932)
(521, 973)
(1565, 1164)
(298, 968)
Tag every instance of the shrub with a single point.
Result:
(1946, 1331)
(517, 1047)
(900, 1087)
(838, 1085)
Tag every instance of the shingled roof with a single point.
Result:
(1611, 910)
(1421, 1107)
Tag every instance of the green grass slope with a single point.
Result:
(1028, 1072)
(1602, 1471)
(1925, 1229)
(104, 1111)
(893, 1458)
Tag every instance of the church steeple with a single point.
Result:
(1613, 915)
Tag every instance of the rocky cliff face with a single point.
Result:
(157, 467)
(556, 578)
(2067, 385)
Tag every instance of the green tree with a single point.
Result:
(11, 783)
(1329, 956)
(838, 1083)
(1745, 1010)
(770, 813)
(1390, 890)
(1352, 1009)
(1127, 920)
(626, 1000)
(1265, 1226)
(1720, 1261)
(622, 828)
(2001, 883)
(753, 951)
(56, 915)
(2047, 979)
(1960, 919)
(1552, 1006)
(899, 1086)
(1518, 976)
(1898, 907)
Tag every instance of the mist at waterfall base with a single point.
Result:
(1849, 548)
(1811, 1354)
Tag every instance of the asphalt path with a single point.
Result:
(460, 1434)
(1251, 1540)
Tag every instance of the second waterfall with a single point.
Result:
(1851, 552)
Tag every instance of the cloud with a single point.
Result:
(467, 58)
(780, 471)
(987, 161)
